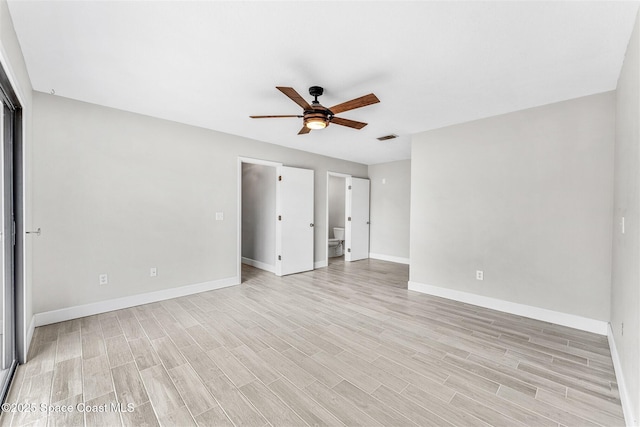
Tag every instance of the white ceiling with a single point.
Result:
(432, 64)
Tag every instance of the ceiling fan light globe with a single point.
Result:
(316, 123)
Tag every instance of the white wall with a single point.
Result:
(625, 297)
(13, 63)
(118, 193)
(390, 210)
(337, 198)
(259, 215)
(527, 198)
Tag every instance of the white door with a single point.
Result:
(294, 220)
(357, 224)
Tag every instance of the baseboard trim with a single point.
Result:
(78, 311)
(627, 408)
(389, 258)
(30, 331)
(259, 264)
(559, 318)
(320, 264)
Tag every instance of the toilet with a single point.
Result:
(336, 244)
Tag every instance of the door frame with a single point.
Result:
(242, 160)
(326, 220)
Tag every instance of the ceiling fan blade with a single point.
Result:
(294, 96)
(348, 123)
(355, 103)
(272, 117)
(304, 130)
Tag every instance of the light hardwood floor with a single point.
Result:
(342, 345)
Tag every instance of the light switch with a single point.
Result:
(219, 216)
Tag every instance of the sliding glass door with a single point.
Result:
(7, 239)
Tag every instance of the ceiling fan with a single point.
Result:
(315, 116)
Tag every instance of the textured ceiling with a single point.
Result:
(432, 64)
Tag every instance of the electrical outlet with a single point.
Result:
(153, 272)
(104, 279)
(479, 275)
(219, 216)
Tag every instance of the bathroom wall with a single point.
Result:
(336, 203)
(259, 216)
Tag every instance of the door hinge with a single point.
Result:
(349, 250)
(349, 219)
(279, 217)
(279, 177)
(279, 257)
(349, 188)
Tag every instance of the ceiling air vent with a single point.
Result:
(387, 137)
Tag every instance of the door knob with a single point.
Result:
(311, 225)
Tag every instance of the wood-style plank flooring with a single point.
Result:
(342, 345)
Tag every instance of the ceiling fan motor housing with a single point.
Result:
(317, 116)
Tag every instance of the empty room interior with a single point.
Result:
(225, 213)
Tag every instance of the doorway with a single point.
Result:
(336, 216)
(347, 217)
(259, 216)
(275, 217)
